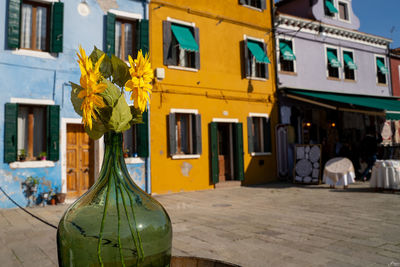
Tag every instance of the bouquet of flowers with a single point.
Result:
(100, 97)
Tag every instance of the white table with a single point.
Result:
(339, 171)
(386, 174)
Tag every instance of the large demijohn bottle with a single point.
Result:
(115, 223)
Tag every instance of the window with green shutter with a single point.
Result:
(31, 131)
(181, 45)
(35, 25)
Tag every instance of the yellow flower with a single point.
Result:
(140, 84)
(90, 82)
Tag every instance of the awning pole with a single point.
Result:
(311, 101)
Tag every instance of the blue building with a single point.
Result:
(42, 136)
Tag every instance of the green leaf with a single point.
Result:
(120, 71)
(76, 102)
(98, 129)
(111, 94)
(106, 67)
(120, 117)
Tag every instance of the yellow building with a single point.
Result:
(213, 107)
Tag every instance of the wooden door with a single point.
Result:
(224, 152)
(79, 161)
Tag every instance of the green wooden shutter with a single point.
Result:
(197, 132)
(14, 13)
(57, 21)
(53, 132)
(250, 134)
(10, 132)
(144, 36)
(246, 64)
(142, 136)
(214, 152)
(197, 54)
(266, 65)
(238, 151)
(267, 135)
(110, 34)
(172, 134)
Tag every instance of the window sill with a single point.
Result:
(32, 53)
(382, 84)
(349, 80)
(32, 164)
(288, 72)
(182, 68)
(333, 79)
(255, 154)
(134, 161)
(191, 156)
(257, 79)
(254, 8)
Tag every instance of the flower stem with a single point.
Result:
(127, 216)
(102, 223)
(119, 224)
(134, 218)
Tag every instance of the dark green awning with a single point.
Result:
(332, 59)
(349, 61)
(391, 106)
(286, 51)
(258, 52)
(381, 66)
(330, 7)
(185, 38)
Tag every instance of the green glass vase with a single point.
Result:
(114, 223)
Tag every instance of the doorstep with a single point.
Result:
(228, 184)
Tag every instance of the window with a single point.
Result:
(286, 55)
(381, 70)
(256, 59)
(184, 133)
(35, 25)
(333, 64)
(343, 11)
(125, 38)
(349, 65)
(126, 33)
(130, 143)
(259, 134)
(136, 139)
(181, 45)
(260, 4)
(329, 8)
(31, 130)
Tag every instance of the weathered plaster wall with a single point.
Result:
(38, 77)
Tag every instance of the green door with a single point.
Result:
(214, 152)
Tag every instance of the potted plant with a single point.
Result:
(22, 155)
(42, 155)
(126, 153)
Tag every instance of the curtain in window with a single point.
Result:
(118, 36)
(41, 21)
(26, 23)
(128, 40)
(39, 130)
(22, 129)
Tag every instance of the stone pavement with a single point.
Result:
(273, 225)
